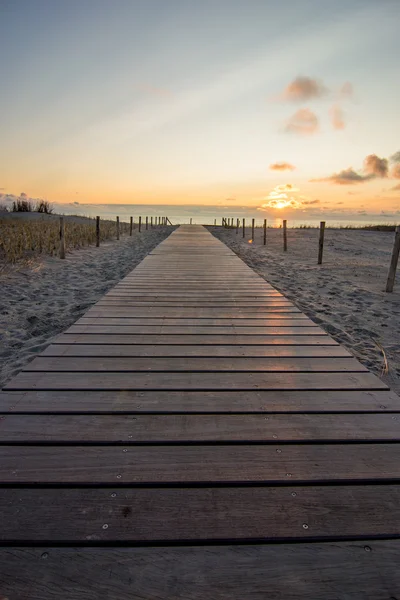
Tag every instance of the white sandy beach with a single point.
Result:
(345, 295)
(42, 299)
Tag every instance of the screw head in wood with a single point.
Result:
(105, 526)
(305, 526)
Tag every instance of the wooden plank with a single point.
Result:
(195, 364)
(195, 329)
(292, 340)
(192, 381)
(317, 571)
(295, 321)
(191, 401)
(188, 351)
(205, 514)
(154, 311)
(184, 428)
(185, 464)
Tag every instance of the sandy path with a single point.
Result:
(39, 302)
(345, 295)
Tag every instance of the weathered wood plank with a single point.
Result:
(195, 329)
(278, 321)
(195, 381)
(195, 364)
(183, 428)
(317, 571)
(191, 401)
(225, 464)
(185, 514)
(191, 351)
(195, 339)
(207, 312)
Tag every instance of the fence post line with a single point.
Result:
(321, 241)
(151, 221)
(62, 238)
(97, 232)
(131, 226)
(284, 235)
(393, 263)
(237, 225)
(215, 222)
(252, 229)
(147, 222)
(244, 228)
(117, 228)
(265, 231)
(190, 220)
(140, 224)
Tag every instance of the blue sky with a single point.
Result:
(187, 101)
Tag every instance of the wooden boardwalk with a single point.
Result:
(195, 436)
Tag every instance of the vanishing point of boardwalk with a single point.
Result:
(195, 436)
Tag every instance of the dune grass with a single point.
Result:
(21, 239)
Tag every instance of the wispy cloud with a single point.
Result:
(336, 114)
(396, 188)
(303, 122)
(303, 89)
(346, 91)
(345, 177)
(286, 196)
(282, 166)
(154, 91)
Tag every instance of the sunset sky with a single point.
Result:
(264, 103)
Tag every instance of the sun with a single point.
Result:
(282, 204)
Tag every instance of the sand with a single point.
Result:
(345, 295)
(40, 300)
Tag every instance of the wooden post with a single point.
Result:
(190, 220)
(117, 228)
(147, 222)
(244, 228)
(140, 224)
(265, 231)
(237, 225)
(151, 221)
(394, 261)
(285, 235)
(97, 232)
(215, 222)
(252, 229)
(62, 238)
(131, 226)
(321, 241)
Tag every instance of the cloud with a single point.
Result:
(337, 117)
(285, 196)
(155, 91)
(395, 172)
(395, 157)
(303, 122)
(396, 188)
(375, 166)
(346, 91)
(303, 89)
(282, 166)
(230, 200)
(345, 177)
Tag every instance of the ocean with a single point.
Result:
(208, 215)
